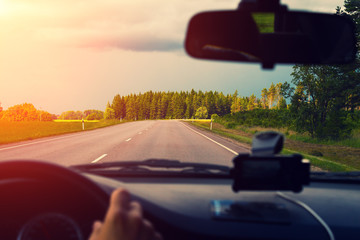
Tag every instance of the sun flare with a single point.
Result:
(4, 8)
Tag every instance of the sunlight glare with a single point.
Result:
(3, 7)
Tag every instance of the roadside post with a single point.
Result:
(83, 124)
(211, 124)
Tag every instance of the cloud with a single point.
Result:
(100, 39)
(139, 43)
(135, 25)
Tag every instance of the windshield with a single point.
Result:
(87, 82)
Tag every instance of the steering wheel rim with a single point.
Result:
(44, 171)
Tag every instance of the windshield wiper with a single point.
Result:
(336, 176)
(156, 167)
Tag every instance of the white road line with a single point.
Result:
(99, 158)
(32, 143)
(230, 150)
(127, 139)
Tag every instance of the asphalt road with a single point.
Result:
(129, 141)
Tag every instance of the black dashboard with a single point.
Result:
(179, 208)
(182, 209)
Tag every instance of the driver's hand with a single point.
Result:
(123, 221)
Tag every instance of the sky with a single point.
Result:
(65, 55)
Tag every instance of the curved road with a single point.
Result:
(169, 139)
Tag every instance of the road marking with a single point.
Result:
(32, 143)
(230, 150)
(127, 139)
(99, 158)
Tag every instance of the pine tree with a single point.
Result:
(271, 95)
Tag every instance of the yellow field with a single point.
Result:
(61, 120)
(197, 120)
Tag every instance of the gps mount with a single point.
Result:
(265, 169)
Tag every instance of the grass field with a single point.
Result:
(332, 157)
(18, 131)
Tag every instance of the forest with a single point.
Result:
(190, 104)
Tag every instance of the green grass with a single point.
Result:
(352, 141)
(323, 163)
(264, 21)
(345, 161)
(19, 131)
(236, 137)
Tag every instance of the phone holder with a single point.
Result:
(263, 169)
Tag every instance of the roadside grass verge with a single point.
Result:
(352, 141)
(19, 131)
(346, 158)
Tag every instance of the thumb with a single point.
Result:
(96, 230)
(120, 199)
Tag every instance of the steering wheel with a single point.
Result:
(43, 171)
(36, 187)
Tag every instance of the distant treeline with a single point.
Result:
(90, 114)
(193, 104)
(25, 112)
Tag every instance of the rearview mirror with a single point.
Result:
(271, 37)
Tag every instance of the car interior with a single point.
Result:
(262, 195)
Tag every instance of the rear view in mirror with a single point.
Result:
(271, 37)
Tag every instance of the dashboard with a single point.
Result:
(183, 209)
(53, 208)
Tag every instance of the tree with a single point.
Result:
(264, 98)
(214, 116)
(210, 102)
(221, 104)
(326, 95)
(278, 95)
(178, 106)
(252, 104)
(109, 112)
(25, 112)
(93, 114)
(235, 106)
(271, 95)
(154, 108)
(72, 115)
(350, 73)
(318, 101)
(163, 105)
(282, 103)
(44, 116)
(201, 113)
(132, 107)
(117, 106)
